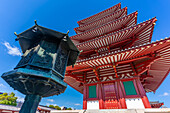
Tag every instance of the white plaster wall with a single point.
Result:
(93, 104)
(134, 103)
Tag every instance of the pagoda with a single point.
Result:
(118, 64)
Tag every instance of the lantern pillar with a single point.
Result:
(30, 104)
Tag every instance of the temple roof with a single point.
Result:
(156, 104)
(115, 48)
(154, 55)
(140, 34)
(118, 14)
(100, 14)
(118, 24)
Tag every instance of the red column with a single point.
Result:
(143, 94)
(100, 96)
(121, 96)
(117, 94)
(85, 97)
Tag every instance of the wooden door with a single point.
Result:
(110, 96)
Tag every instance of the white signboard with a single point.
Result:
(93, 104)
(133, 103)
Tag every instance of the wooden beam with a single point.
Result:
(131, 42)
(147, 63)
(144, 77)
(145, 83)
(133, 68)
(108, 47)
(96, 73)
(84, 77)
(143, 70)
(96, 50)
(114, 67)
(111, 45)
(111, 64)
(133, 59)
(111, 81)
(77, 78)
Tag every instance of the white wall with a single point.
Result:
(134, 103)
(93, 104)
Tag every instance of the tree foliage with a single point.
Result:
(68, 109)
(8, 99)
(58, 108)
(55, 107)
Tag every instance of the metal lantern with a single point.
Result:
(41, 70)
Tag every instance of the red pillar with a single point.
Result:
(121, 96)
(85, 97)
(100, 96)
(143, 94)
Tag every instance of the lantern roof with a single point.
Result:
(32, 36)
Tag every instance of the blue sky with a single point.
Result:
(62, 15)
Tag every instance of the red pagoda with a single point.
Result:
(118, 64)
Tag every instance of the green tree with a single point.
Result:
(57, 107)
(68, 109)
(51, 106)
(8, 99)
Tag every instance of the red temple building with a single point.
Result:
(118, 64)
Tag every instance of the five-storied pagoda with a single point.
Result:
(118, 64)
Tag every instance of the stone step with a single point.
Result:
(152, 110)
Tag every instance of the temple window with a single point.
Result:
(129, 88)
(92, 91)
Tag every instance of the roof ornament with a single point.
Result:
(17, 36)
(65, 37)
(35, 28)
(36, 22)
(68, 32)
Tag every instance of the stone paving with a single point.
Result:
(153, 110)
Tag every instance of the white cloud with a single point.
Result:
(2, 85)
(20, 99)
(50, 100)
(55, 105)
(14, 51)
(165, 94)
(47, 104)
(77, 104)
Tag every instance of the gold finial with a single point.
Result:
(17, 36)
(15, 33)
(68, 32)
(35, 22)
